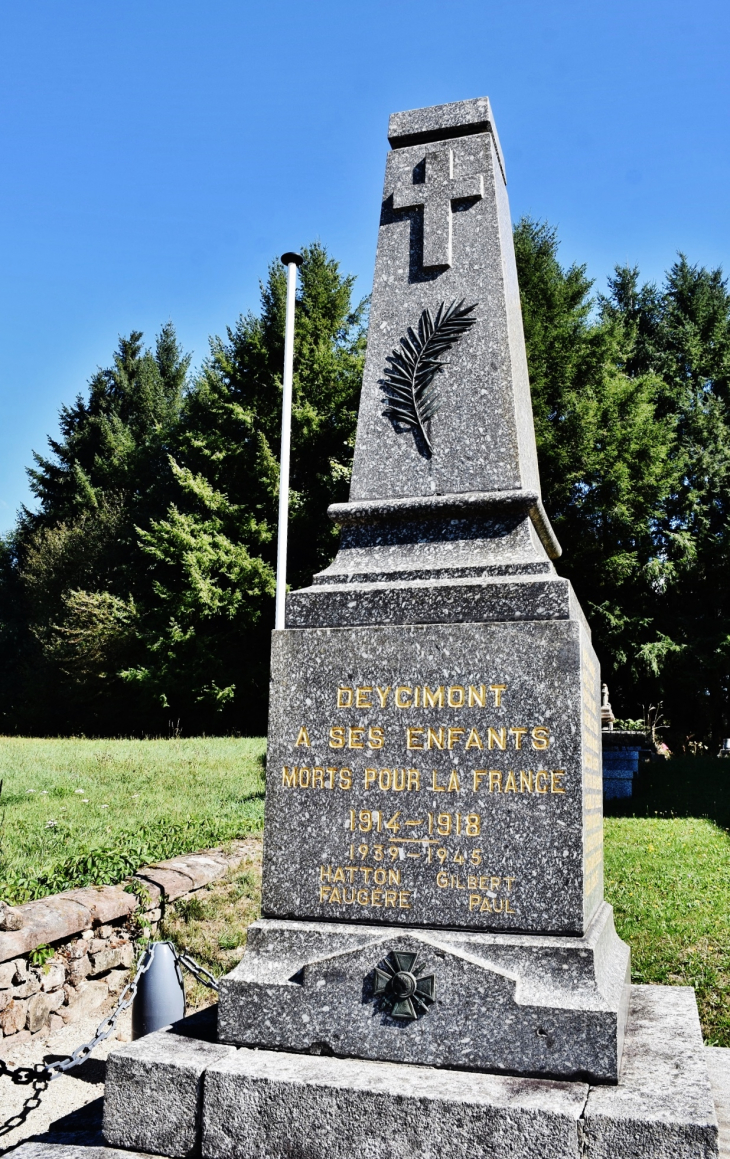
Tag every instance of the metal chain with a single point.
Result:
(107, 1025)
(39, 1072)
(199, 972)
(30, 1076)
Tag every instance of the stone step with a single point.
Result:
(73, 1151)
(178, 1089)
(718, 1065)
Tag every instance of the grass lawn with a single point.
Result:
(668, 878)
(75, 812)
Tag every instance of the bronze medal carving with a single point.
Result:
(403, 992)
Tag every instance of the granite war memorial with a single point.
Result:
(435, 965)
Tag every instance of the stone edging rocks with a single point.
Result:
(92, 937)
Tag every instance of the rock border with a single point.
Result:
(92, 938)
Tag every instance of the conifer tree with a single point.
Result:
(607, 456)
(212, 556)
(73, 569)
(141, 589)
(681, 333)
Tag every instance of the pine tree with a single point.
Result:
(141, 589)
(73, 567)
(607, 458)
(681, 333)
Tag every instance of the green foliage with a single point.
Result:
(140, 891)
(634, 447)
(212, 558)
(41, 954)
(71, 577)
(230, 939)
(215, 932)
(141, 592)
(681, 332)
(139, 596)
(190, 909)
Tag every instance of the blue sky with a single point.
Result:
(157, 154)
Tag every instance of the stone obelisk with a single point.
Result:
(433, 913)
(433, 771)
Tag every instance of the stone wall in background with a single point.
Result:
(92, 933)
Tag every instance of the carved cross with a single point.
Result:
(436, 195)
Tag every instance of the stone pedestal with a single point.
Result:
(505, 1003)
(253, 1103)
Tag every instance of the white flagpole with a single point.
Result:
(291, 261)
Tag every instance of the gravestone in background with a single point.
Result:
(433, 886)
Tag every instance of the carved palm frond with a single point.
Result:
(413, 396)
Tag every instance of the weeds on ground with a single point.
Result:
(212, 924)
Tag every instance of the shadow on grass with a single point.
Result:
(680, 787)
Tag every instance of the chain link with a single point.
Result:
(199, 972)
(40, 1073)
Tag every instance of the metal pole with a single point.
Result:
(291, 261)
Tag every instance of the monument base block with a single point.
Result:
(511, 1003)
(278, 1104)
